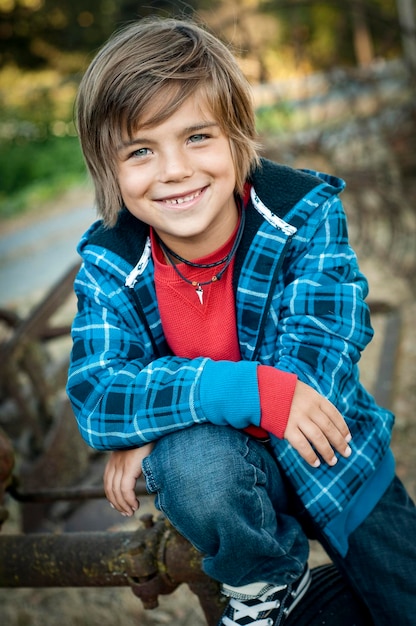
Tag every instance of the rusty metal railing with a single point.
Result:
(152, 560)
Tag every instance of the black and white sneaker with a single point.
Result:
(263, 604)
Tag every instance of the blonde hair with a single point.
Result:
(151, 58)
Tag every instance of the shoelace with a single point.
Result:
(241, 610)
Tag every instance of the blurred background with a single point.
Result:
(313, 64)
(334, 85)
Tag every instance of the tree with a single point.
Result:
(363, 43)
(315, 33)
(37, 33)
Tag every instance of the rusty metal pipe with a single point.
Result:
(34, 325)
(64, 560)
(83, 559)
(89, 559)
(153, 560)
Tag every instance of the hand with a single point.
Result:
(316, 426)
(123, 469)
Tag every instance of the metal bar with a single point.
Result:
(53, 494)
(6, 461)
(64, 560)
(35, 324)
(6, 469)
(90, 559)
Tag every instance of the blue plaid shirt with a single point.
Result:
(300, 303)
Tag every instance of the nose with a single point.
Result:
(175, 166)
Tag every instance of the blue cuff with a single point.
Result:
(229, 393)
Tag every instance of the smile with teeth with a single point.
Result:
(183, 199)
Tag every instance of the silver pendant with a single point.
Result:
(200, 293)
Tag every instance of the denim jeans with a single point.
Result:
(224, 492)
(221, 489)
(381, 561)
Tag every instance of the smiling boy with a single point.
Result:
(221, 317)
(179, 178)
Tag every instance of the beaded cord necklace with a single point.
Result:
(171, 255)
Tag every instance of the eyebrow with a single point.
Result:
(186, 131)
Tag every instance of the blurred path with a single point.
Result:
(35, 252)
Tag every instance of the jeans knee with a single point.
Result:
(200, 467)
(208, 479)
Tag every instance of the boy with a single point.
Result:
(221, 318)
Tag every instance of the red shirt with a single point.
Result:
(193, 329)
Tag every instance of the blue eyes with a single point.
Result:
(195, 138)
(140, 153)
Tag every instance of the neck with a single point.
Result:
(204, 243)
(220, 265)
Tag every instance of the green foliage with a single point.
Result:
(35, 171)
(324, 49)
(322, 32)
(47, 33)
(39, 152)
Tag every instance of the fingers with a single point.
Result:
(119, 484)
(120, 493)
(301, 444)
(320, 437)
(316, 429)
(123, 469)
(328, 434)
(332, 422)
(310, 443)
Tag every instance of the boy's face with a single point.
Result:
(179, 177)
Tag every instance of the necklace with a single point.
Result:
(170, 255)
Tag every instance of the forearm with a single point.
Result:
(134, 406)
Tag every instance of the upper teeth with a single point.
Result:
(183, 198)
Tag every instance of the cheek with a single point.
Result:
(227, 164)
(227, 172)
(221, 166)
(129, 184)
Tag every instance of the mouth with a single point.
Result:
(178, 200)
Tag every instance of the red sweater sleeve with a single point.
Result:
(276, 389)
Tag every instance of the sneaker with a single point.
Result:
(263, 604)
